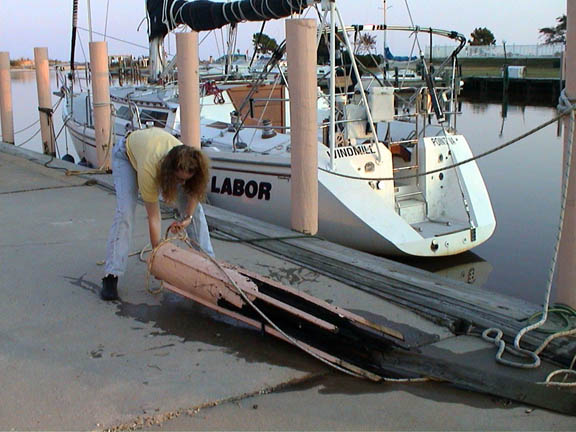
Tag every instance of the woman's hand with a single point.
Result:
(177, 226)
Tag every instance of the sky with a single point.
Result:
(26, 24)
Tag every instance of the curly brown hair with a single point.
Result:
(190, 160)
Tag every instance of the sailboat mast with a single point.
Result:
(89, 20)
(384, 32)
(332, 131)
(73, 41)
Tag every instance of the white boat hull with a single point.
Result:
(351, 212)
(437, 215)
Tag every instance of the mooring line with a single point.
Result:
(474, 158)
(86, 183)
(494, 335)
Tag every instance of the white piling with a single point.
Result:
(101, 95)
(566, 288)
(44, 100)
(189, 87)
(6, 110)
(301, 50)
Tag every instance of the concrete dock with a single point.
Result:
(69, 361)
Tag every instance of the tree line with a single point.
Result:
(365, 43)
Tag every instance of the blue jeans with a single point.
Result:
(120, 236)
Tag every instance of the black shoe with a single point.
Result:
(109, 289)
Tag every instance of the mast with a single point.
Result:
(73, 41)
(89, 19)
(332, 83)
(384, 33)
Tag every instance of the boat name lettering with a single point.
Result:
(357, 150)
(239, 187)
(444, 140)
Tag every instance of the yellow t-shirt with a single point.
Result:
(145, 149)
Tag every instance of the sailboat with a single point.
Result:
(389, 177)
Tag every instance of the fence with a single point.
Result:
(554, 50)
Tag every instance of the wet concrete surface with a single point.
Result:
(336, 402)
(69, 361)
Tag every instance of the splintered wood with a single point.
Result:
(336, 335)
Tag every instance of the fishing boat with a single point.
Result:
(389, 173)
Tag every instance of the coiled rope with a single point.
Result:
(494, 335)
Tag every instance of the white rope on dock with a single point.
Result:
(567, 108)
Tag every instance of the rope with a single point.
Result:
(29, 139)
(494, 334)
(27, 127)
(54, 108)
(474, 158)
(108, 37)
(184, 237)
(257, 12)
(256, 240)
(564, 312)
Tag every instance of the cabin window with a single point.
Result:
(124, 113)
(158, 117)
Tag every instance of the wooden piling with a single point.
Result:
(44, 100)
(301, 50)
(566, 288)
(6, 111)
(101, 94)
(189, 87)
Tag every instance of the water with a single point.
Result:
(25, 106)
(523, 181)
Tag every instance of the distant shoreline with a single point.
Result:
(32, 68)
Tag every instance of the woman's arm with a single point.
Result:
(191, 205)
(154, 222)
(183, 224)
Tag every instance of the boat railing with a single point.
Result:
(409, 142)
(135, 113)
(265, 127)
(405, 168)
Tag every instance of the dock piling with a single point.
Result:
(44, 100)
(6, 111)
(102, 110)
(566, 291)
(301, 51)
(189, 87)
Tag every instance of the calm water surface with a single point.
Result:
(523, 181)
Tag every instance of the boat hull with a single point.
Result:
(428, 216)
(350, 212)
